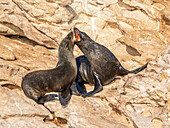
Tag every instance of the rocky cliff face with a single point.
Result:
(136, 31)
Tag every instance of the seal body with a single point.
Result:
(36, 84)
(98, 62)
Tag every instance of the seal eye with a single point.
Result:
(77, 36)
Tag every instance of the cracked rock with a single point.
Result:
(135, 31)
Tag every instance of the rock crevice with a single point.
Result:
(135, 31)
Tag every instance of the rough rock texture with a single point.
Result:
(136, 31)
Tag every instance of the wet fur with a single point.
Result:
(98, 66)
(59, 79)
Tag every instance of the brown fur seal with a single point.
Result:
(36, 84)
(98, 67)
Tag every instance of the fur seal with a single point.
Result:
(59, 79)
(98, 66)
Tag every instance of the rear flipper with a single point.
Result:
(97, 88)
(139, 69)
(46, 98)
(123, 71)
(65, 96)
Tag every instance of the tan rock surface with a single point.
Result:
(136, 31)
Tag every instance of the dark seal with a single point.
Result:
(36, 84)
(98, 67)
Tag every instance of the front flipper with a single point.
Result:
(65, 96)
(74, 89)
(81, 88)
(78, 88)
(97, 88)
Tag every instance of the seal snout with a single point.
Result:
(77, 35)
(70, 35)
(76, 30)
(70, 38)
